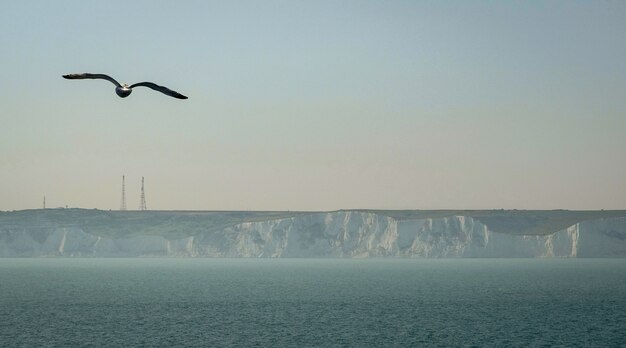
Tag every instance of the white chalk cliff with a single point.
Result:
(339, 234)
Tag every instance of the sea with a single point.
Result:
(155, 302)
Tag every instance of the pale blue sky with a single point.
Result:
(315, 105)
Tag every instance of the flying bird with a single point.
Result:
(124, 90)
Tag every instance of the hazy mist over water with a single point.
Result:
(306, 302)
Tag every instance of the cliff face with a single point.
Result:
(333, 234)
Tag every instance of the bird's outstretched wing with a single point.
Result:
(91, 76)
(161, 89)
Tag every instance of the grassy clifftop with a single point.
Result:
(177, 224)
(170, 224)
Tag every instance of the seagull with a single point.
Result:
(124, 90)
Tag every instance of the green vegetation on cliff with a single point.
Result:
(180, 224)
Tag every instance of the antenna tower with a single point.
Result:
(123, 204)
(142, 204)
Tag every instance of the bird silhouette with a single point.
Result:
(124, 90)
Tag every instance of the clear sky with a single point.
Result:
(315, 105)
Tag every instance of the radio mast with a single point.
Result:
(142, 204)
(123, 204)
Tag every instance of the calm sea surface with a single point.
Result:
(321, 303)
